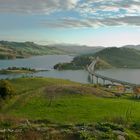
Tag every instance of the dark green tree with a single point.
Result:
(6, 89)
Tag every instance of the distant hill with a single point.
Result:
(77, 49)
(9, 50)
(109, 57)
(137, 47)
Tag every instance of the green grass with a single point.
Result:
(72, 109)
(81, 107)
(15, 71)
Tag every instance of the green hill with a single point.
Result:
(109, 57)
(9, 50)
(137, 47)
(77, 112)
(120, 57)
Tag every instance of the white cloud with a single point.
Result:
(92, 12)
(81, 6)
(101, 8)
(36, 6)
(90, 22)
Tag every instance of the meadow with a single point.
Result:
(70, 102)
(56, 109)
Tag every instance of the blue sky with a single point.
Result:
(85, 22)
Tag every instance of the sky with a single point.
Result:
(85, 22)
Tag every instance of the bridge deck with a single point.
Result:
(111, 79)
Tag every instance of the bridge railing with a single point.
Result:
(91, 70)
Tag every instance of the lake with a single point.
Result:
(47, 63)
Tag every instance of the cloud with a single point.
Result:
(36, 6)
(91, 13)
(90, 22)
(84, 7)
(111, 8)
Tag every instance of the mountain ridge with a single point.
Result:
(137, 47)
(9, 50)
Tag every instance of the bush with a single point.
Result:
(85, 135)
(6, 89)
(5, 124)
(106, 127)
(136, 126)
(106, 136)
(102, 127)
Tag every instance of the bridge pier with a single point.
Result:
(92, 79)
(112, 82)
(103, 82)
(97, 80)
(91, 70)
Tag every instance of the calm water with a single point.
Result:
(37, 62)
(47, 62)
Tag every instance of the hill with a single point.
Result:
(9, 50)
(120, 57)
(109, 57)
(76, 112)
(33, 96)
(77, 49)
(137, 47)
(24, 49)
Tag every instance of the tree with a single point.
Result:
(6, 89)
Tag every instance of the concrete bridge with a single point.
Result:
(91, 70)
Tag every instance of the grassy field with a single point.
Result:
(55, 109)
(71, 102)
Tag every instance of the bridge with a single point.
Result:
(91, 70)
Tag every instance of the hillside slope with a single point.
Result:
(137, 47)
(109, 57)
(120, 57)
(9, 50)
(77, 112)
(63, 101)
(24, 49)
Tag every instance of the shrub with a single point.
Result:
(102, 127)
(136, 126)
(5, 124)
(106, 127)
(85, 135)
(114, 126)
(6, 89)
(106, 136)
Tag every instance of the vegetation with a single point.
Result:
(121, 57)
(6, 89)
(17, 70)
(81, 62)
(77, 111)
(109, 57)
(21, 129)
(79, 102)
(11, 50)
(137, 47)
